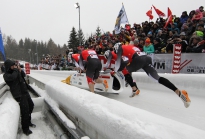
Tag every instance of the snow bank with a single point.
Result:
(54, 106)
(116, 120)
(9, 117)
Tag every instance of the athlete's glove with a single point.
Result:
(112, 73)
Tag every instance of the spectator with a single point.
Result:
(200, 31)
(184, 38)
(201, 8)
(170, 34)
(18, 87)
(150, 36)
(184, 17)
(175, 40)
(136, 44)
(148, 47)
(191, 14)
(157, 45)
(67, 52)
(197, 16)
(141, 43)
(174, 28)
(195, 46)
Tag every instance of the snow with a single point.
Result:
(156, 113)
(9, 117)
(42, 130)
(54, 106)
(114, 119)
(85, 137)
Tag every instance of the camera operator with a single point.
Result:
(19, 89)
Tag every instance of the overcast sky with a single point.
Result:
(44, 19)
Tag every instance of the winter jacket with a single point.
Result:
(183, 19)
(14, 80)
(148, 49)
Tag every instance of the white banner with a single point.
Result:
(191, 63)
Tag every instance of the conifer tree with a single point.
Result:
(98, 31)
(73, 39)
(81, 37)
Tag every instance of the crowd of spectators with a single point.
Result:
(150, 37)
(58, 62)
(154, 37)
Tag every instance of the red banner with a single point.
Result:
(27, 68)
(176, 58)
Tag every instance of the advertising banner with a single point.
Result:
(176, 58)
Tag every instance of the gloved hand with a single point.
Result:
(112, 73)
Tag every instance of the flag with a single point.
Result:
(160, 13)
(121, 19)
(169, 17)
(149, 13)
(2, 46)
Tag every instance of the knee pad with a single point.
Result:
(90, 80)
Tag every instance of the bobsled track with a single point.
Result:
(156, 113)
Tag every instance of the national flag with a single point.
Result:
(160, 13)
(121, 19)
(169, 17)
(2, 46)
(149, 13)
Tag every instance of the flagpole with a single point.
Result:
(125, 12)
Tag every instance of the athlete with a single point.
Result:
(75, 59)
(93, 68)
(110, 55)
(140, 61)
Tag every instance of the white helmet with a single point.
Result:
(116, 47)
(106, 54)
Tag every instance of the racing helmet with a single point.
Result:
(106, 54)
(116, 47)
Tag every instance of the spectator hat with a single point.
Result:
(199, 33)
(182, 34)
(147, 40)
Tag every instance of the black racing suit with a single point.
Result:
(143, 62)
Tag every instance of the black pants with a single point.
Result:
(93, 68)
(26, 107)
(145, 63)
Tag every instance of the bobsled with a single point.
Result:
(116, 82)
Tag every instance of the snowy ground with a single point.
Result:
(42, 130)
(160, 102)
